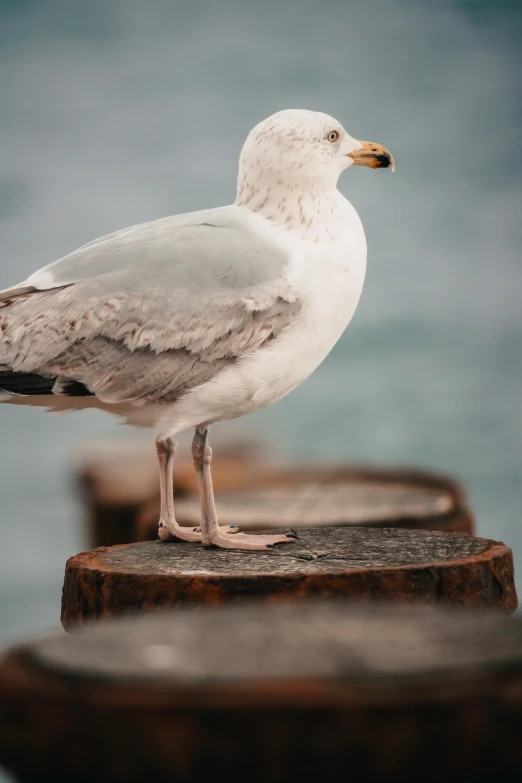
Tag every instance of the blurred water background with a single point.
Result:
(113, 113)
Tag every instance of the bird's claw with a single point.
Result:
(225, 537)
(172, 530)
(249, 542)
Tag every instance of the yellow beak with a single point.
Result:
(373, 155)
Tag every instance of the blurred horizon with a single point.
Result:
(118, 113)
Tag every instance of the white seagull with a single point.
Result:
(201, 317)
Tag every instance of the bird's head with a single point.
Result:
(305, 147)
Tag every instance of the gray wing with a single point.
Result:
(146, 313)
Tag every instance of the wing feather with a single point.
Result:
(157, 310)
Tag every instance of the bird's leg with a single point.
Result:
(223, 536)
(168, 527)
(202, 456)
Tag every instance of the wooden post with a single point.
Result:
(361, 563)
(119, 486)
(303, 692)
(307, 496)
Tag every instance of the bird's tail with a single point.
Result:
(29, 384)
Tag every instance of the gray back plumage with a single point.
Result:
(148, 312)
(212, 250)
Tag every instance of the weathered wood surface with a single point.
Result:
(296, 692)
(354, 500)
(391, 563)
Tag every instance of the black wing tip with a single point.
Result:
(29, 384)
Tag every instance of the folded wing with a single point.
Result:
(147, 313)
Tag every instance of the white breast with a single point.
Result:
(329, 275)
(330, 279)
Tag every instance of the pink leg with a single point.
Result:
(222, 536)
(168, 527)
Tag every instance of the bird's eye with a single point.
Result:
(333, 136)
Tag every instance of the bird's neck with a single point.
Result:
(308, 209)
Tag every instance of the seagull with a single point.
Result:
(201, 317)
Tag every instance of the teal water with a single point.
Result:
(116, 113)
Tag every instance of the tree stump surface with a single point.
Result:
(354, 500)
(119, 484)
(307, 496)
(291, 692)
(363, 563)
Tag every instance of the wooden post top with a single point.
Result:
(245, 644)
(307, 496)
(120, 488)
(390, 563)
(304, 689)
